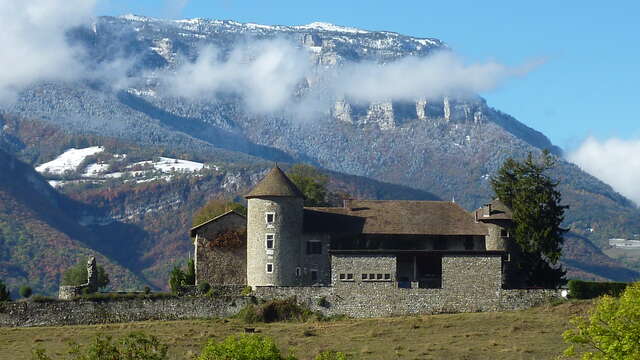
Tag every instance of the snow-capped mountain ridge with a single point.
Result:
(203, 27)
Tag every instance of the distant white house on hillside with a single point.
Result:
(624, 243)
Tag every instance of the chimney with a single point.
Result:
(486, 210)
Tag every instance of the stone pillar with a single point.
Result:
(92, 275)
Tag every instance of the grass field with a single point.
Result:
(529, 334)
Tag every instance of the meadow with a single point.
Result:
(529, 334)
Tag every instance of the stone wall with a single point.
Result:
(220, 265)
(472, 273)
(377, 300)
(519, 299)
(360, 300)
(318, 262)
(76, 312)
(361, 268)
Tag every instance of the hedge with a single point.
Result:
(579, 289)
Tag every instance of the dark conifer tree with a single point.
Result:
(527, 188)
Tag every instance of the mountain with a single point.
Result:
(39, 236)
(131, 206)
(431, 147)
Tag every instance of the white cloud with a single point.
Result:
(614, 161)
(410, 78)
(265, 73)
(34, 47)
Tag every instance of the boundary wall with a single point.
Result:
(366, 302)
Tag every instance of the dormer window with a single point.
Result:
(270, 218)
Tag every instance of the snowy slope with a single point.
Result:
(70, 160)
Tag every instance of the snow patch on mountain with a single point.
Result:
(167, 165)
(95, 169)
(70, 160)
(132, 17)
(324, 26)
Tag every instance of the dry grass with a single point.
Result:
(530, 334)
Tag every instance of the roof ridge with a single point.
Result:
(214, 219)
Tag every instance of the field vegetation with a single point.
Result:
(530, 334)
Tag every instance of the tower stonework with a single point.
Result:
(274, 232)
(500, 236)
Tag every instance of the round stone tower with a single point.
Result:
(274, 231)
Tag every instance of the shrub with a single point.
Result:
(204, 287)
(612, 330)
(276, 310)
(323, 302)
(4, 293)
(25, 291)
(179, 280)
(285, 310)
(134, 346)
(579, 289)
(246, 291)
(242, 347)
(249, 314)
(147, 290)
(331, 355)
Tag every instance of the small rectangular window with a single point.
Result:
(364, 276)
(504, 233)
(343, 276)
(378, 276)
(314, 247)
(270, 238)
(269, 268)
(270, 218)
(314, 275)
(349, 276)
(372, 276)
(387, 276)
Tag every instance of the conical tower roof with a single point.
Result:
(275, 183)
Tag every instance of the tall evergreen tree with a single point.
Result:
(527, 188)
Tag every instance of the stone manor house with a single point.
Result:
(363, 245)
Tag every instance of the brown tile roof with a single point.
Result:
(275, 183)
(394, 217)
(499, 211)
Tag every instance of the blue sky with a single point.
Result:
(587, 86)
